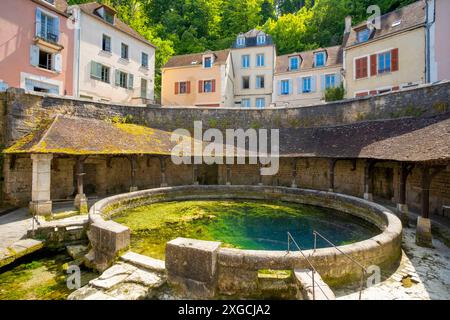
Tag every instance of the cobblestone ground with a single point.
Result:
(425, 273)
(14, 226)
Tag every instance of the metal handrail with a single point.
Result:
(364, 271)
(313, 270)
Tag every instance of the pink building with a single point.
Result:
(36, 46)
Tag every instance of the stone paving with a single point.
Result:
(14, 226)
(425, 273)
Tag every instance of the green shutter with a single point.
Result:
(93, 69)
(130, 81)
(117, 76)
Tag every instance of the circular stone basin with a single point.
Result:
(243, 224)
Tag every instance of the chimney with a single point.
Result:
(348, 24)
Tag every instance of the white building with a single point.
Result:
(112, 62)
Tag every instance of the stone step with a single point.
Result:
(19, 249)
(305, 281)
(145, 262)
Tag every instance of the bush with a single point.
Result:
(335, 94)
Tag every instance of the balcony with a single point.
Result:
(48, 40)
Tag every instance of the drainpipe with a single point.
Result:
(428, 25)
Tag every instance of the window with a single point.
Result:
(384, 62)
(124, 51)
(207, 62)
(293, 63)
(330, 81)
(319, 59)
(306, 85)
(246, 82)
(260, 60)
(50, 1)
(361, 68)
(109, 17)
(45, 60)
(260, 102)
(100, 72)
(259, 82)
(245, 61)
(183, 87)
(124, 80)
(363, 35)
(208, 86)
(245, 103)
(106, 43)
(143, 88)
(38, 86)
(285, 87)
(240, 41)
(261, 39)
(47, 26)
(144, 60)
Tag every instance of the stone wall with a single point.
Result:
(26, 111)
(107, 176)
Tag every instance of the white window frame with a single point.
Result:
(310, 80)
(257, 104)
(288, 87)
(247, 100)
(290, 63)
(240, 42)
(258, 56)
(142, 60)
(261, 39)
(334, 75)
(258, 83)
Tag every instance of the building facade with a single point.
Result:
(36, 38)
(388, 58)
(302, 78)
(253, 56)
(201, 79)
(113, 63)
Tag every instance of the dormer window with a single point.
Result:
(294, 63)
(363, 35)
(319, 59)
(106, 14)
(261, 39)
(52, 2)
(207, 62)
(240, 41)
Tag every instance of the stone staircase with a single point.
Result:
(317, 291)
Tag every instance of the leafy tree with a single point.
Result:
(335, 94)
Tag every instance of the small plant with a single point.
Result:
(335, 94)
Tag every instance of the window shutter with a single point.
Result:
(313, 83)
(337, 80)
(93, 69)
(364, 67)
(38, 21)
(56, 28)
(357, 69)
(58, 62)
(373, 65)
(299, 84)
(117, 76)
(213, 85)
(34, 56)
(188, 87)
(200, 86)
(394, 58)
(322, 82)
(176, 87)
(279, 87)
(130, 81)
(290, 86)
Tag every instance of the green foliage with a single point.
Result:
(188, 26)
(335, 94)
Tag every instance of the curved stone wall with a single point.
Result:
(236, 271)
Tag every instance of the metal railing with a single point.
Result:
(364, 271)
(313, 270)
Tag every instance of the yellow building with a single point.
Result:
(200, 79)
(388, 58)
(302, 78)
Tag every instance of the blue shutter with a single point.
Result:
(38, 21)
(56, 28)
(299, 84)
(313, 83)
(322, 82)
(279, 87)
(34, 55)
(290, 86)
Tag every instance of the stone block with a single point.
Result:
(424, 237)
(144, 262)
(41, 208)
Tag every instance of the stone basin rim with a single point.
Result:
(384, 219)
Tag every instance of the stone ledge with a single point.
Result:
(19, 249)
(144, 262)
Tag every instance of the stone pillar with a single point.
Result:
(41, 203)
(294, 173)
(80, 201)
(402, 207)
(228, 175)
(133, 162)
(331, 165)
(368, 180)
(195, 174)
(162, 163)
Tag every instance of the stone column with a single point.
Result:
(402, 207)
(294, 173)
(423, 230)
(133, 162)
(228, 175)
(41, 203)
(368, 180)
(195, 174)
(80, 201)
(162, 164)
(331, 166)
